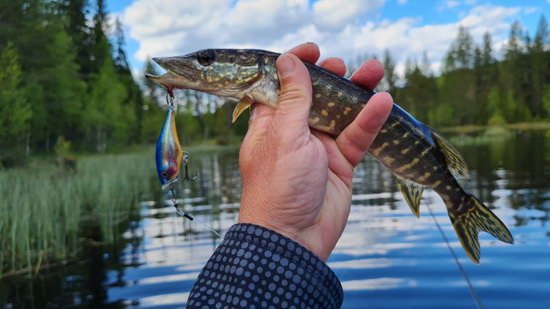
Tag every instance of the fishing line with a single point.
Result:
(473, 292)
(184, 214)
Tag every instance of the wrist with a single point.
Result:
(259, 218)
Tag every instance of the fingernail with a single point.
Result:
(376, 66)
(285, 65)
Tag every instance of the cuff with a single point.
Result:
(257, 266)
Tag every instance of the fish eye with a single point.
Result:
(164, 174)
(206, 57)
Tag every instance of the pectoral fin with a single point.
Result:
(412, 193)
(243, 104)
(455, 163)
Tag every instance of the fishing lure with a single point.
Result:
(169, 157)
(168, 153)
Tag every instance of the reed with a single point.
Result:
(47, 212)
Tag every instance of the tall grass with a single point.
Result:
(46, 212)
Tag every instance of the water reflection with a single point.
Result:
(386, 257)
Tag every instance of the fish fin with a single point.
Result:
(455, 163)
(412, 193)
(242, 105)
(477, 218)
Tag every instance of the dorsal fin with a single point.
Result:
(412, 193)
(455, 163)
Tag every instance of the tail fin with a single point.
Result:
(477, 218)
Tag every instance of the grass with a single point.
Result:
(47, 212)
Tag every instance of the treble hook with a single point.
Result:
(186, 166)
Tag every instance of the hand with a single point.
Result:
(297, 181)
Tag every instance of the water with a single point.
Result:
(386, 257)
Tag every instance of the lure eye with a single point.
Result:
(206, 57)
(164, 174)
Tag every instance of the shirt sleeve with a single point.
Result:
(255, 267)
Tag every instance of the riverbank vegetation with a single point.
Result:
(49, 211)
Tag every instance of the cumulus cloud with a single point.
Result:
(173, 27)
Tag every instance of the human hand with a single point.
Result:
(296, 180)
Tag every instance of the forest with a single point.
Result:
(67, 86)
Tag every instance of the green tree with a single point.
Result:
(460, 54)
(420, 90)
(487, 52)
(14, 109)
(390, 76)
(104, 116)
(540, 66)
(134, 96)
(77, 26)
(64, 92)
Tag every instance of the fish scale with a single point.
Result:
(417, 155)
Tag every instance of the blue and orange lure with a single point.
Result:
(169, 154)
(169, 157)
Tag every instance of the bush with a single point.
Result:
(497, 120)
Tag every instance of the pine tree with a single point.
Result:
(103, 118)
(64, 92)
(134, 95)
(77, 27)
(390, 76)
(513, 46)
(487, 53)
(540, 63)
(14, 109)
(460, 54)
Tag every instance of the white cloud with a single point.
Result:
(451, 4)
(335, 13)
(172, 27)
(530, 9)
(401, 2)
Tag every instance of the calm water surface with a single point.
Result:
(386, 257)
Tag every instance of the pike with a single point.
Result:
(417, 155)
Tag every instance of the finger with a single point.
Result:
(295, 94)
(356, 139)
(335, 65)
(307, 52)
(369, 74)
(337, 162)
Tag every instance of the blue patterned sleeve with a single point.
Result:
(255, 267)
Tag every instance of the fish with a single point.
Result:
(417, 155)
(169, 154)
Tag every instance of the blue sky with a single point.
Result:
(343, 28)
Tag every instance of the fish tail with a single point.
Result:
(477, 217)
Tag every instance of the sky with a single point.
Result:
(342, 28)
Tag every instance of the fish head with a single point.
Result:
(222, 72)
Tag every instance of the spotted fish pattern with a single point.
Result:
(416, 155)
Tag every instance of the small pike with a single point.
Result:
(417, 155)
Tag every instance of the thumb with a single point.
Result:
(295, 95)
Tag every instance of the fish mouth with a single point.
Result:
(181, 66)
(180, 72)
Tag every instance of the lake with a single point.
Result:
(385, 258)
